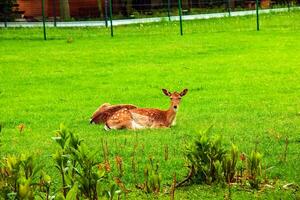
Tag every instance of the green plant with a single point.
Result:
(0, 133)
(285, 152)
(166, 152)
(173, 188)
(134, 162)
(229, 164)
(241, 167)
(79, 168)
(45, 184)
(10, 167)
(204, 159)
(88, 175)
(19, 177)
(152, 178)
(68, 143)
(254, 169)
(105, 150)
(119, 164)
(112, 191)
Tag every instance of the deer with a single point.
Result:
(127, 116)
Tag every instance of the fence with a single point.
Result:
(74, 13)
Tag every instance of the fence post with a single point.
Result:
(5, 15)
(180, 16)
(110, 18)
(169, 10)
(43, 13)
(54, 12)
(257, 16)
(289, 6)
(105, 13)
(229, 8)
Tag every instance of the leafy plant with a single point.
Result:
(204, 159)
(113, 189)
(80, 172)
(45, 184)
(68, 143)
(19, 177)
(254, 169)
(152, 178)
(88, 175)
(1, 126)
(119, 164)
(173, 187)
(229, 164)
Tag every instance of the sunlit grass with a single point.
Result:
(246, 83)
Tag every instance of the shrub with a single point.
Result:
(68, 143)
(19, 177)
(204, 159)
(80, 172)
(208, 162)
(7, 10)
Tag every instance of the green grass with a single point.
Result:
(246, 83)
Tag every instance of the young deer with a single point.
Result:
(138, 118)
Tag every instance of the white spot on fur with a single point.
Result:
(135, 125)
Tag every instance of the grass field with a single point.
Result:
(243, 82)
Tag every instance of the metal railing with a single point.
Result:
(108, 13)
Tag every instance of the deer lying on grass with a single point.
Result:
(128, 116)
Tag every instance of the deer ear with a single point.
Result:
(183, 92)
(166, 92)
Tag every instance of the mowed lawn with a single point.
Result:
(243, 82)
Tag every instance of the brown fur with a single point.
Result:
(105, 111)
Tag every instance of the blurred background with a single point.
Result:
(99, 10)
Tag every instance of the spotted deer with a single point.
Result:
(139, 118)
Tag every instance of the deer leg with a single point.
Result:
(121, 125)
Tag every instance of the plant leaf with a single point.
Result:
(73, 192)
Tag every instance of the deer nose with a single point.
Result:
(175, 107)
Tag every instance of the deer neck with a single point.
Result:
(171, 115)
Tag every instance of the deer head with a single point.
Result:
(175, 98)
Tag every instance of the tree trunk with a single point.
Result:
(99, 3)
(129, 7)
(64, 9)
(232, 4)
